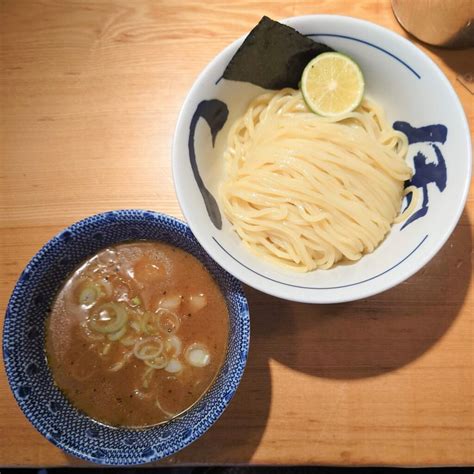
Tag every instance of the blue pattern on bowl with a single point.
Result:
(24, 332)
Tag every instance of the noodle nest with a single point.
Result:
(306, 191)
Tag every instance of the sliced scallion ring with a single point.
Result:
(108, 318)
(115, 336)
(168, 322)
(159, 363)
(89, 295)
(149, 348)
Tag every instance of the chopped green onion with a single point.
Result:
(136, 301)
(109, 318)
(174, 344)
(160, 362)
(115, 336)
(106, 349)
(88, 296)
(135, 325)
(129, 341)
(168, 322)
(149, 348)
(120, 364)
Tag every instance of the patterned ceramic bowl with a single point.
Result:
(24, 334)
(418, 100)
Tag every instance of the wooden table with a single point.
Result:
(90, 93)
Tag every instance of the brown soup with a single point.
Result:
(137, 334)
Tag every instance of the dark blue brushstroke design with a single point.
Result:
(325, 287)
(431, 133)
(425, 173)
(368, 44)
(215, 113)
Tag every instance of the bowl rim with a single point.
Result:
(257, 281)
(217, 409)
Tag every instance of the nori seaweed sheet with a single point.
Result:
(273, 56)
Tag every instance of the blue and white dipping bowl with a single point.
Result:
(24, 344)
(418, 99)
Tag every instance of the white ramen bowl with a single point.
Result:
(412, 90)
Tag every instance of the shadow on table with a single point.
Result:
(461, 61)
(372, 336)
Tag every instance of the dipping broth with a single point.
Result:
(137, 334)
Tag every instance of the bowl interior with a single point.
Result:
(24, 332)
(415, 95)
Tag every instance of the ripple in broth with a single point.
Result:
(137, 334)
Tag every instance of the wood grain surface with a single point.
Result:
(90, 93)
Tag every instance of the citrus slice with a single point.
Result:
(332, 84)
